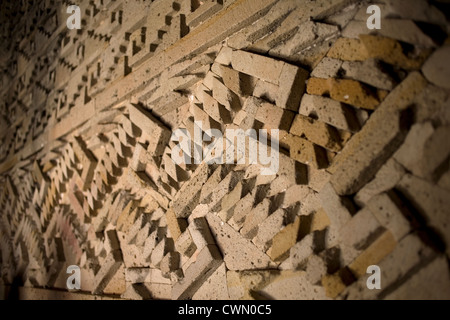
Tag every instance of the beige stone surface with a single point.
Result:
(91, 119)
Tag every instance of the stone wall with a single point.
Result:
(89, 119)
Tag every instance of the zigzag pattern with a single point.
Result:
(91, 181)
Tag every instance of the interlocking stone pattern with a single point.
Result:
(87, 176)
